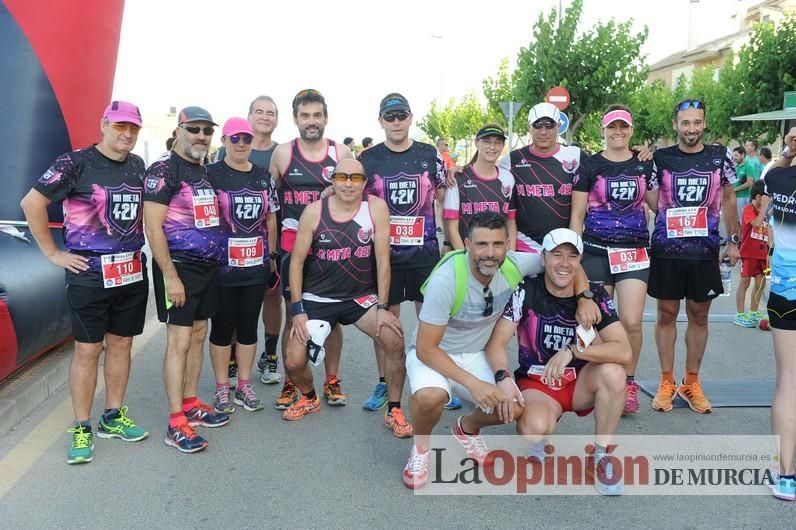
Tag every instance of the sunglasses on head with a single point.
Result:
(392, 116)
(123, 126)
(235, 138)
(355, 178)
(687, 103)
(488, 301)
(195, 129)
(544, 124)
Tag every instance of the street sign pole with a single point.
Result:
(510, 109)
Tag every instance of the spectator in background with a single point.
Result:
(367, 143)
(349, 142)
(743, 170)
(445, 153)
(765, 159)
(752, 157)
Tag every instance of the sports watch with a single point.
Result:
(587, 294)
(500, 375)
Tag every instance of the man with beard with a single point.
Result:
(182, 225)
(301, 170)
(696, 185)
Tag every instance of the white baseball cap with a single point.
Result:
(559, 236)
(544, 110)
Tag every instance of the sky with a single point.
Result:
(220, 55)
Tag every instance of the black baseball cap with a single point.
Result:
(393, 102)
(490, 130)
(192, 114)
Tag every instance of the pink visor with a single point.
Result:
(617, 115)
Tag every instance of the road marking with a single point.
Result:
(27, 452)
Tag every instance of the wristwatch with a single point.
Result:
(734, 239)
(383, 306)
(587, 294)
(500, 375)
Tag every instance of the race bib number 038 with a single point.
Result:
(628, 259)
(121, 269)
(687, 222)
(245, 251)
(407, 230)
(205, 211)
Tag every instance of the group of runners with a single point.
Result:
(538, 242)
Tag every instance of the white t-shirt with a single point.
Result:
(468, 330)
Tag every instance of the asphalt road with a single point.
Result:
(341, 468)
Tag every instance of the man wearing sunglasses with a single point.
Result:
(183, 229)
(106, 279)
(447, 356)
(408, 175)
(696, 188)
(341, 254)
(302, 170)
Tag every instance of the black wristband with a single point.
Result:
(297, 308)
(386, 307)
(447, 244)
(274, 255)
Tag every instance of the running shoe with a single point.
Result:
(743, 320)
(454, 404)
(756, 316)
(631, 398)
(222, 404)
(269, 366)
(246, 398)
(378, 399)
(82, 448)
(784, 488)
(663, 398)
(121, 427)
(606, 481)
(695, 398)
(398, 424)
(415, 473)
(184, 439)
(301, 408)
(289, 395)
(473, 444)
(204, 416)
(331, 391)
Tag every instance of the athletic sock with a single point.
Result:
(176, 419)
(85, 424)
(393, 405)
(381, 380)
(668, 377)
(244, 382)
(691, 378)
(311, 395)
(792, 476)
(630, 378)
(270, 344)
(461, 426)
(189, 403)
(110, 414)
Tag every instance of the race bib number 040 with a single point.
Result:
(687, 222)
(121, 269)
(407, 231)
(245, 251)
(628, 259)
(205, 211)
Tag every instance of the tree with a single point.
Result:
(652, 107)
(457, 121)
(599, 67)
(498, 89)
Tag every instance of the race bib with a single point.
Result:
(121, 269)
(535, 374)
(245, 251)
(205, 211)
(367, 300)
(628, 259)
(760, 233)
(407, 230)
(687, 222)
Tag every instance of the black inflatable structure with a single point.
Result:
(57, 59)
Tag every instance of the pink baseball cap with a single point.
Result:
(122, 111)
(236, 126)
(617, 115)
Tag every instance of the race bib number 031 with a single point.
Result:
(628, 259)
(245, 251)
(687, 222)
(121, 269)
(570, 374)
(205, 211)
(407, 230)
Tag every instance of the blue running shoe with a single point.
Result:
(184, 439)
(784, 488)
(743, 320)
(205, 416)
(454, 404)
(378, 399)
(605, 481)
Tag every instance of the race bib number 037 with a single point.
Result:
(687, 222)
(628, 259)
(407, 230)
(121, 269)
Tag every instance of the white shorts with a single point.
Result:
(421, 376)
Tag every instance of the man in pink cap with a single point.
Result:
(106, 275)
(248, 204)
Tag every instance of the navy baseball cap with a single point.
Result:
(393, 102)
(192, 114)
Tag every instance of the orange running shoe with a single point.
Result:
(695, 398)
(397, 422)
(290, 394)
(664, 396)
(301, 408)
(331, 391)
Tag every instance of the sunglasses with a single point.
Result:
(544, 124)
(123, 126)
(355, 178)
(195, 129)
(392, 116)
(488, 301)
(247, 138)
(687, 103)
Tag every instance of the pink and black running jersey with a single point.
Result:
(687, 224)
(342, 264)
(301, 184)
(102, 204)
(616, 216)
(246, 198)
(193, 225)
(407, 182)
(542, 191)
(473, 194)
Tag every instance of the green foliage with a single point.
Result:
(652, 113)
(457, 121)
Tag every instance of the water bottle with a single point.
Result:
(726, 277)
